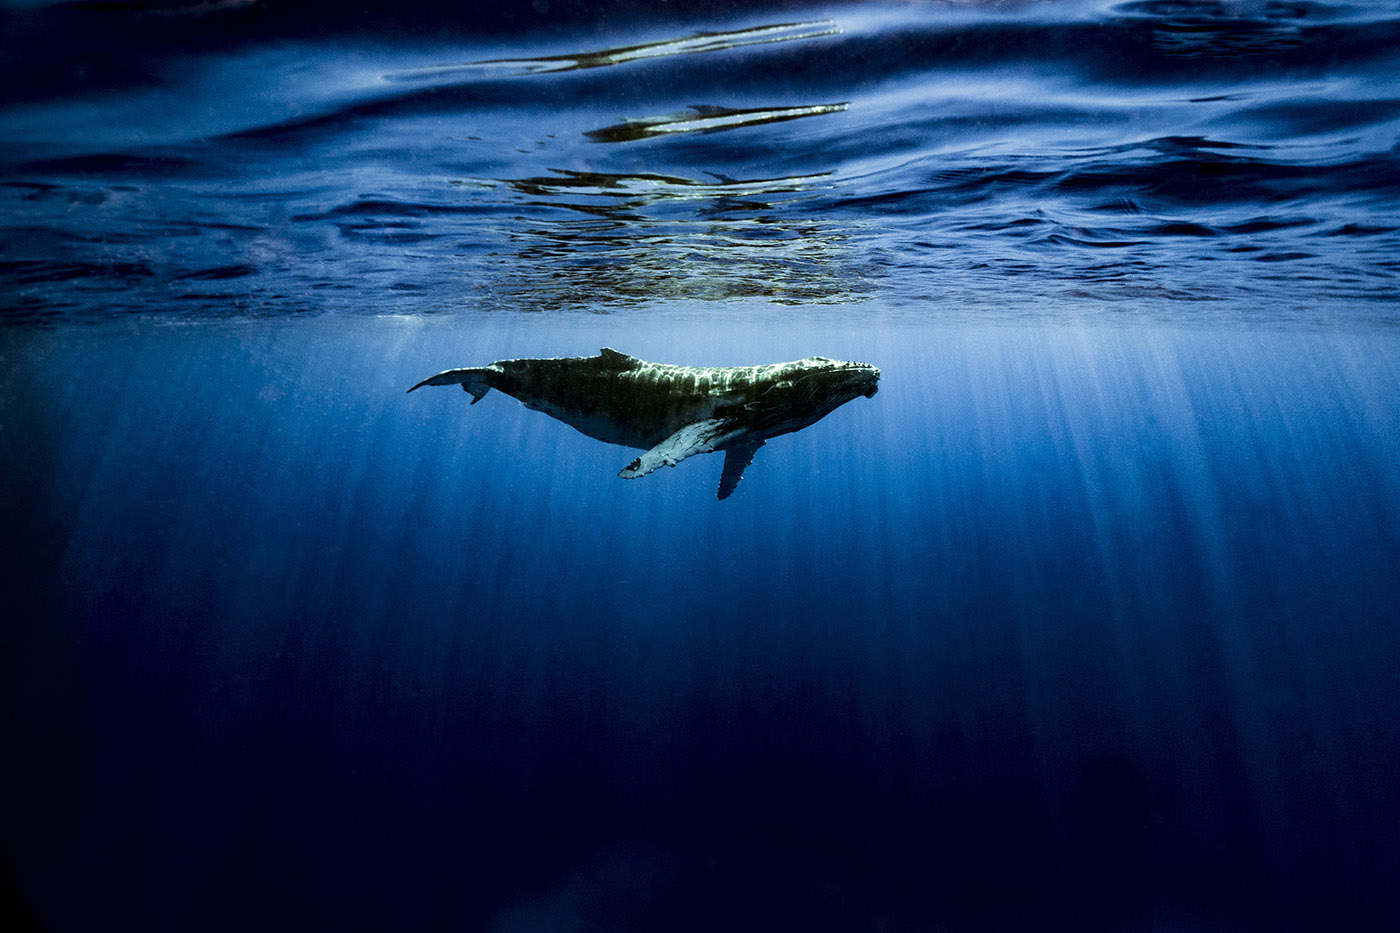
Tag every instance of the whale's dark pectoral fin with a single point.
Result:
(698, 437)
(736, 458)
(475, 381)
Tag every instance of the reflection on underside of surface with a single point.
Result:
(706, 119)
(685, 45)
(603, 240)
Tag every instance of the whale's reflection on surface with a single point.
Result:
(602, 241)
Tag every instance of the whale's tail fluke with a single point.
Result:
(476, 381)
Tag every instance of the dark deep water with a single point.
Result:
(1087, 620)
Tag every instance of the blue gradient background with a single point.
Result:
(1068, 625)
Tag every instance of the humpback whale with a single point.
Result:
(673, 412)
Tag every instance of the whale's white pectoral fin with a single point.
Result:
(736, 458)
(698, 437)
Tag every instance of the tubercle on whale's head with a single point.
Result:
(846, 377)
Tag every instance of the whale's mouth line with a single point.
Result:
(864, 371)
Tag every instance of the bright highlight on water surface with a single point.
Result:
(687, 45)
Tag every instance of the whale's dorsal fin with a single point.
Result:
(735, 459)
(697, 437)
(618, 360)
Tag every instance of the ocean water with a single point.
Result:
(1086, 621)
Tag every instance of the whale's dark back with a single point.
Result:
(617, 398)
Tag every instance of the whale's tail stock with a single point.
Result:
(477, 381)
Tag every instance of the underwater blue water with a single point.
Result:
(1087, 620)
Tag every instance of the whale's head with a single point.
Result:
(811, 389)
(821, 378)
